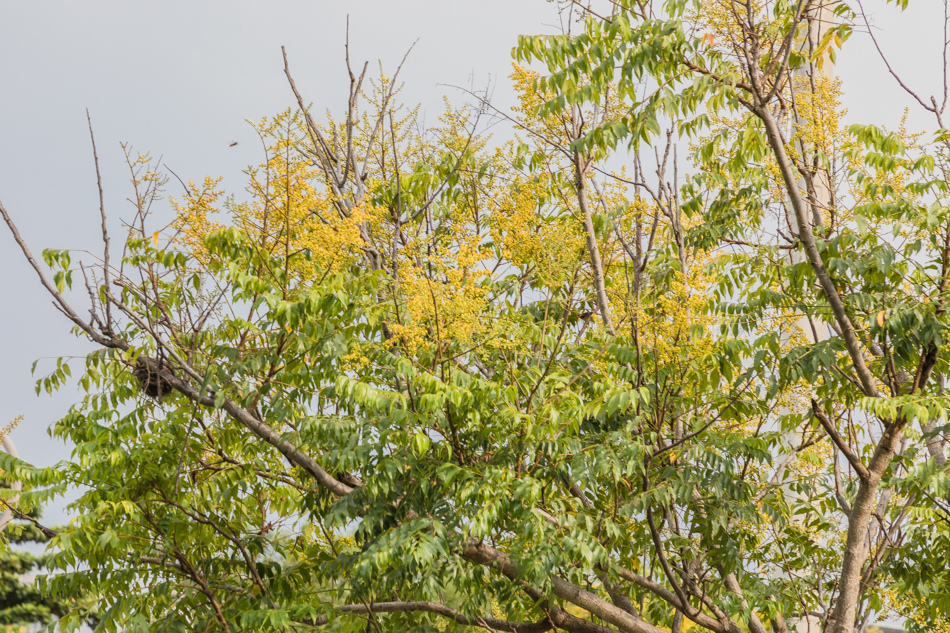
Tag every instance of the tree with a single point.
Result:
(419, 380)
(22, 603)
(23, 606)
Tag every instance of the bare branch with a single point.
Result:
(58, 299)
(900, 82)
(106, 273)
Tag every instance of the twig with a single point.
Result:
(58, 299)
(107, 276)
(47, 532)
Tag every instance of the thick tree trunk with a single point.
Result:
(856, 550)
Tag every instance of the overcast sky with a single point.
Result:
(178, 79)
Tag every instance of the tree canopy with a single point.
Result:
(673, 357)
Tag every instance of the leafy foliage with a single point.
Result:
(420, 380)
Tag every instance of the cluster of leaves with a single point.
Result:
(23, 603)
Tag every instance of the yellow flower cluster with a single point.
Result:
(818, 117)
(5, 431)
(522, 226)
(449, 305)
(192, 222)
(286, 215)
(902, 605)
(15, 422)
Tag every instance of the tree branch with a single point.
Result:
(490, 557)
(491, 624)
(832, 432)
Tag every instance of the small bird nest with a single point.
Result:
(151, 381)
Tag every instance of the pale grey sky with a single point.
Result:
(178, 79)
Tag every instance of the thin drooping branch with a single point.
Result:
(890, 69)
